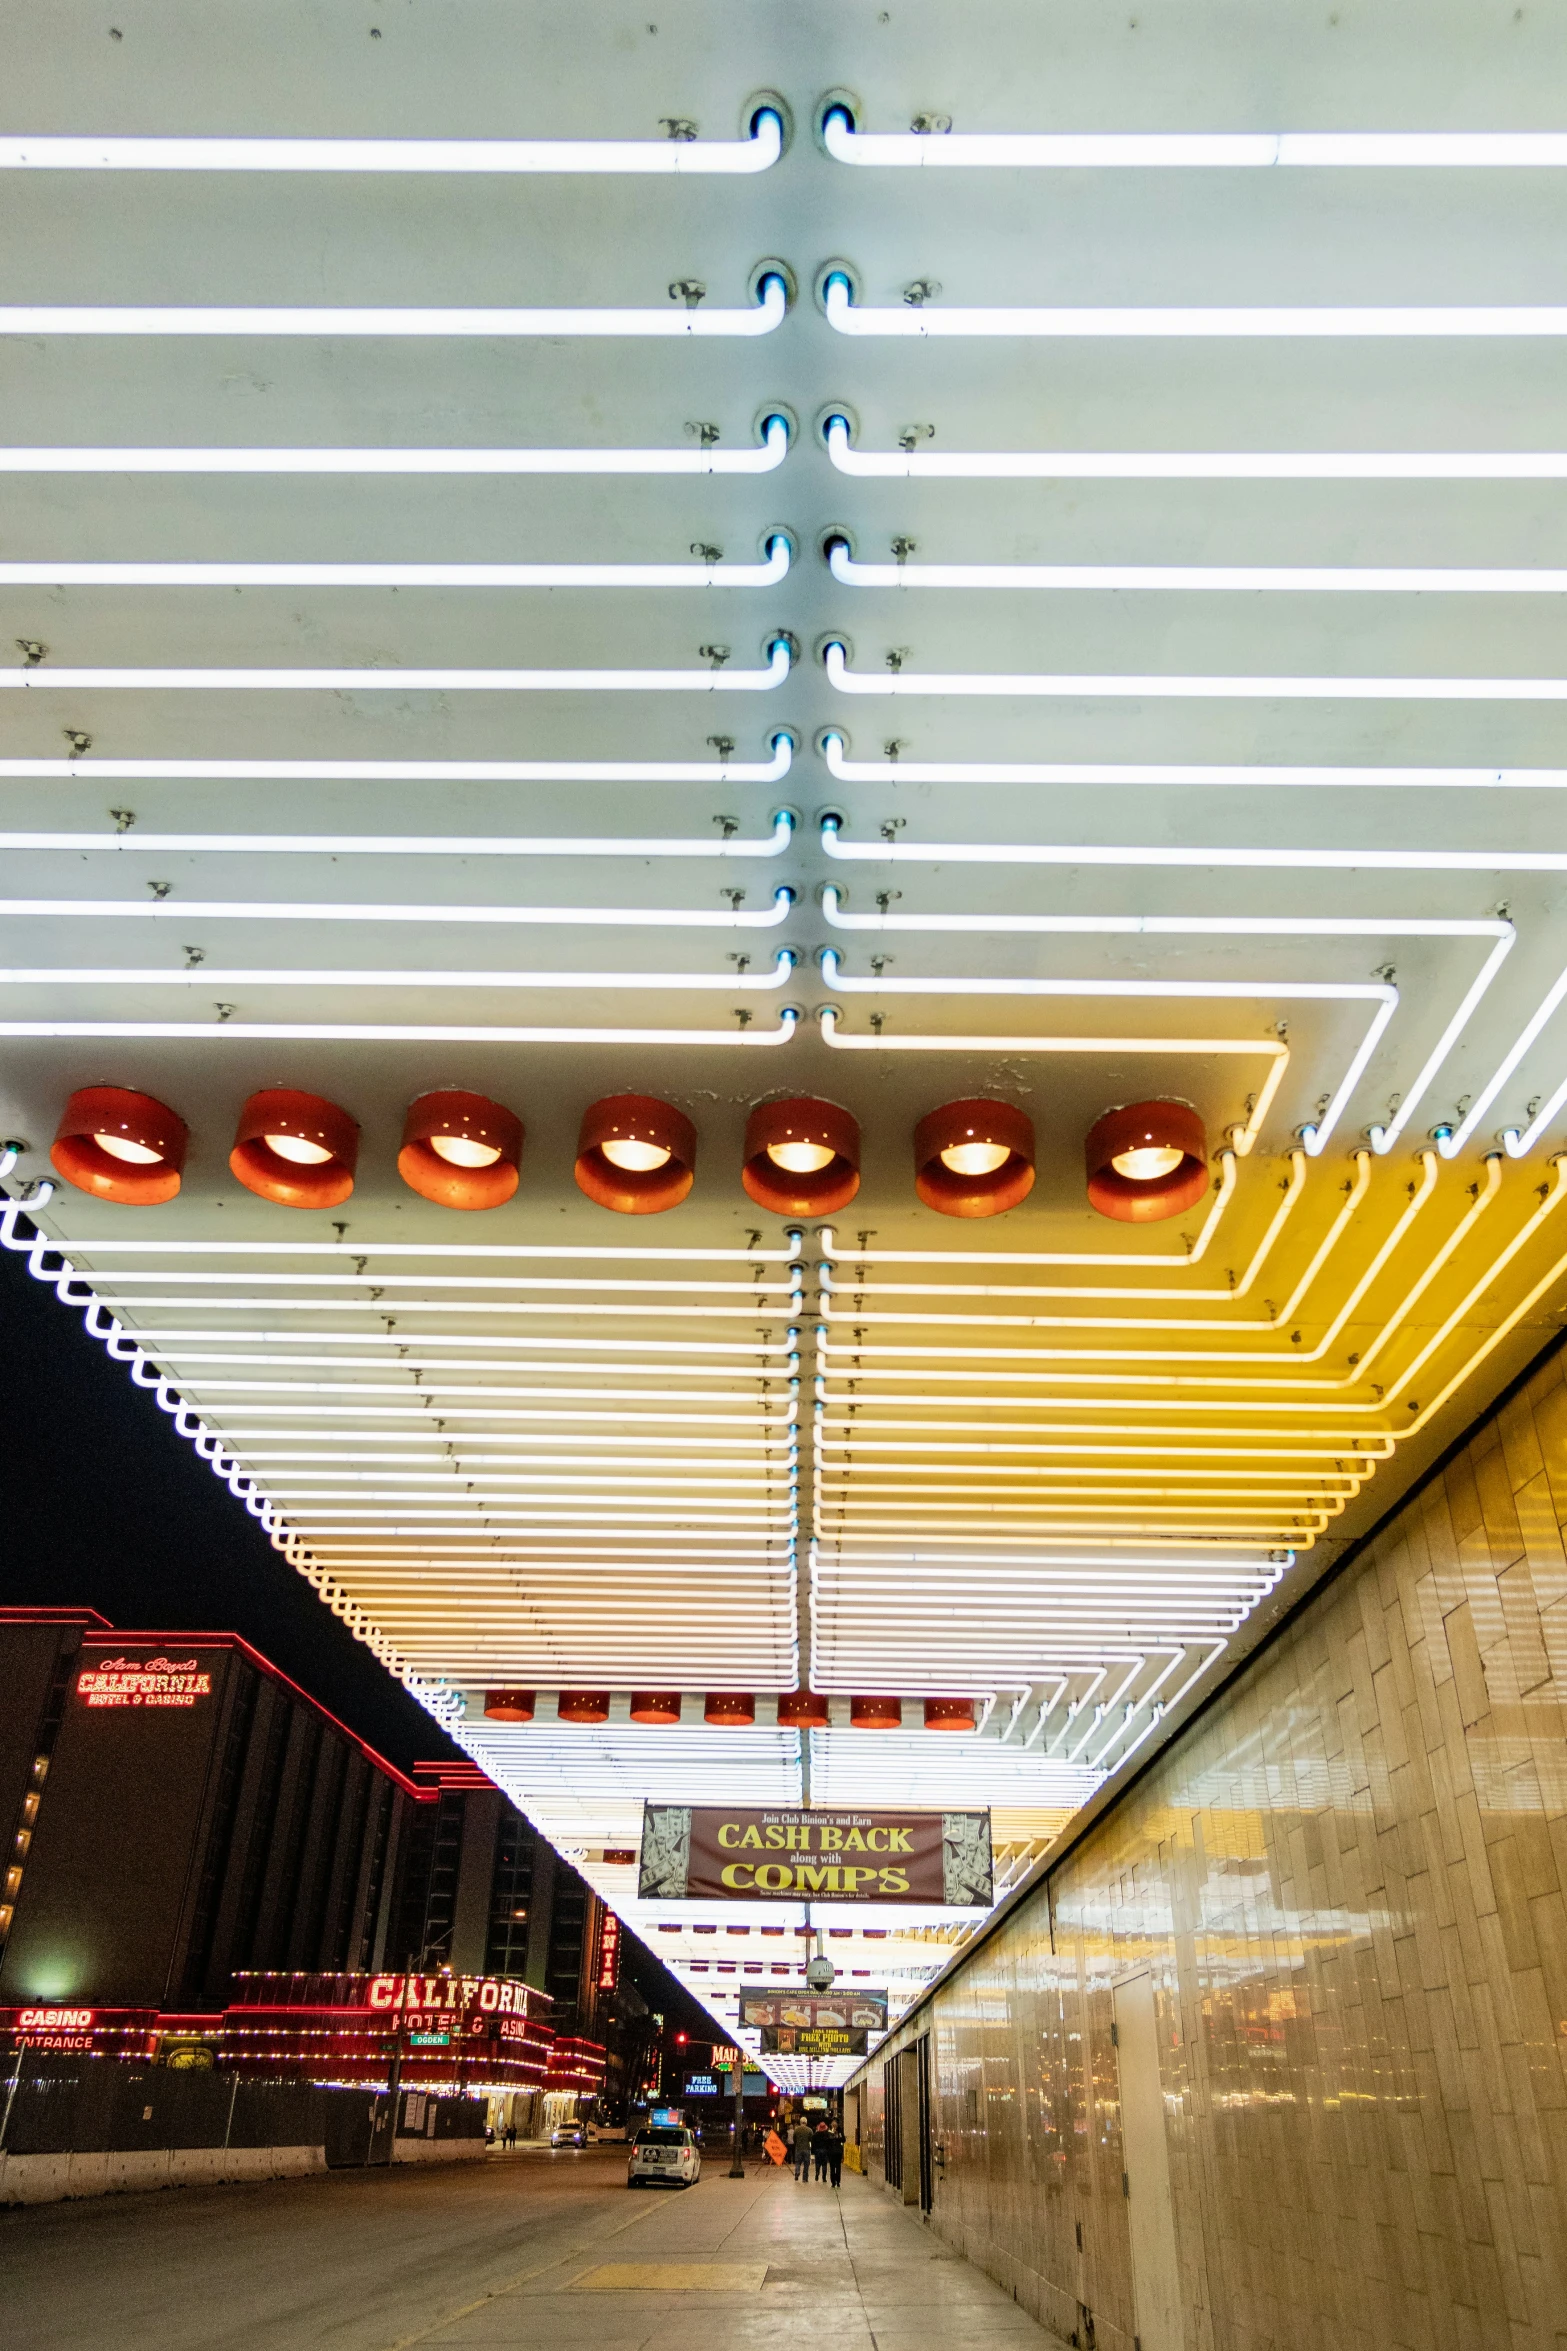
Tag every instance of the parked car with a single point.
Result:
(569, 2134)
(663, 2156)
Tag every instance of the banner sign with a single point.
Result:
(743, 1853)
(866, 2011)
(143, 1681)
(821, 2040)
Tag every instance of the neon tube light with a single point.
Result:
(289, 910)
(373, 1033)
(1090, 853)
(948, 771)
(409, 771)
(762, 317)
(1189, 465)
(1161, 578)
(1191, 150)
(411, 681)
(700, 460)
(766, 574)
(683, 158)
(1069, 322)
(264, 976)
(1173, 686)
(421, 845)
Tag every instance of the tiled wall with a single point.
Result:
(1349, 1878)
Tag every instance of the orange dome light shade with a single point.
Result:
(120, 1145)
(802, 1710)
(660, 1706)
(297, 1149)
(1147, 1161)
(583, 1705)
(802, 1157)
(508, 1705)
(729, 1709)
(974, 1158)
(875, 1714)
(635, 1154)
(949, 1714)
(460, 1150)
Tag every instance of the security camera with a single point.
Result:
(819, 1974)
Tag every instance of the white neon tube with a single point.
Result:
(1069, 322)
(263, 976)
(1285, 860)
(408, 771)
(760, 318)
(405, 575)
(1167, 578)
(1170, 686)
(1184, 465)
(973, 771)
(683, 158)
(1192, 150)
(765, 459)
(410, 681)
(291, 910)
(373, 1033)
(421, 845)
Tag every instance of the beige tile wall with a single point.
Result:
(1349, 1877)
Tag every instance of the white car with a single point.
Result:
(664, 2156)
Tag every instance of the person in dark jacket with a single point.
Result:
(835, 2155)
(820, 2139)
(800, 2149)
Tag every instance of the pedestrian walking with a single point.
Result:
(800, 2148)
(819, 2139)
(835, 2155)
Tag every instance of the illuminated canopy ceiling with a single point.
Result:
(557, 556)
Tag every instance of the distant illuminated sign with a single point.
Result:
(452, 1995)
(609, 1952)
(148, 1681)
(56, 2020)
(701, 2085)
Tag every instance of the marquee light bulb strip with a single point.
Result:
(1192, 150)
(1180, 687)
(929, 321)
(682, 158)
(1179, 777)
(762, 317)
(406, 681)
(420, 845)
(1172, 578)
(702, 459)
(1183, 465)
(406, 771)
(1241, 1137)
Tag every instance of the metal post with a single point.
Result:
(10, 2096)
(737, 2159)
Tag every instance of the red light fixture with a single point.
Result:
(729, 1709)
(949, 1714)
(974, 1158)
(635, 1155)
(583, 1706)
(297, 1149)
(802, 1157)
(119, 1145)
(460, 1150)
(1147, 1161)
(802, 1710)
(875, 1714)
(508, 1706)
(659, 1706)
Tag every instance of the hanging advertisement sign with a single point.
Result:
(842, 2011)
(740, 1853)
(820, 2040)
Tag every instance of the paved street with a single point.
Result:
(529, 2249)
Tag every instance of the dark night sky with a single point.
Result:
(103, 1506)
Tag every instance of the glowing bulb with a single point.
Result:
(801, 1158)
(636, 1157)
(298, 1150)
(1148, 1162)
(134, 1154)
(463, 1151)
(975, 1159)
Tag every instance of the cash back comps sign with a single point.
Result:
(740, 1853)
